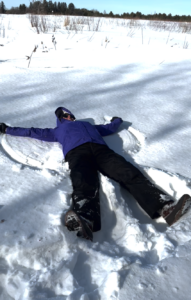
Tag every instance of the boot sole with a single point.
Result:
(178, 210)
(85, 231)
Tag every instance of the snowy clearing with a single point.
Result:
(98, 68)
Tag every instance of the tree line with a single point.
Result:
(61, 8)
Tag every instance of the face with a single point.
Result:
(69, 118)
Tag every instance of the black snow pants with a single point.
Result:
(86, 160)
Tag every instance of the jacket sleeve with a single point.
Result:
(46, 134)
(109, 128)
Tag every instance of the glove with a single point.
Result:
(114, 118)
(3, 127)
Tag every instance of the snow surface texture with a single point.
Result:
(128, 70)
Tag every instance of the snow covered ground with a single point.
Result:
(122, 69)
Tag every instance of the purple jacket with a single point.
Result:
(70, 134)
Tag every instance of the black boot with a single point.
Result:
(173, 212)
(74, 222)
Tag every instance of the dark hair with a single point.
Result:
(60, 113)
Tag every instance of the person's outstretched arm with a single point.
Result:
(109, 128)
(46, 134)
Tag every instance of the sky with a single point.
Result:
(118, 7)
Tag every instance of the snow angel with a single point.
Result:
(87, 154)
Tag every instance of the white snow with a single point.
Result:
(133, 70)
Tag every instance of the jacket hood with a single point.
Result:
(65, 110)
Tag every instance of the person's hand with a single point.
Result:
(114, 118)
(3, 127)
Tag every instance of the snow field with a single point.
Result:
(139, 74)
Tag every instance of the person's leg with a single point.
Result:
(85, 184)
(114, 166)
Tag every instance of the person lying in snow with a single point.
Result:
(87, 153)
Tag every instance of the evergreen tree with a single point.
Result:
(35, 7)
(22, 8)
(132, 15)
(45, 7)
(50, 7)
(2, 7)
(63, 8)
(55, 7)
(59, 7)
(138, 15)
(71, 8)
